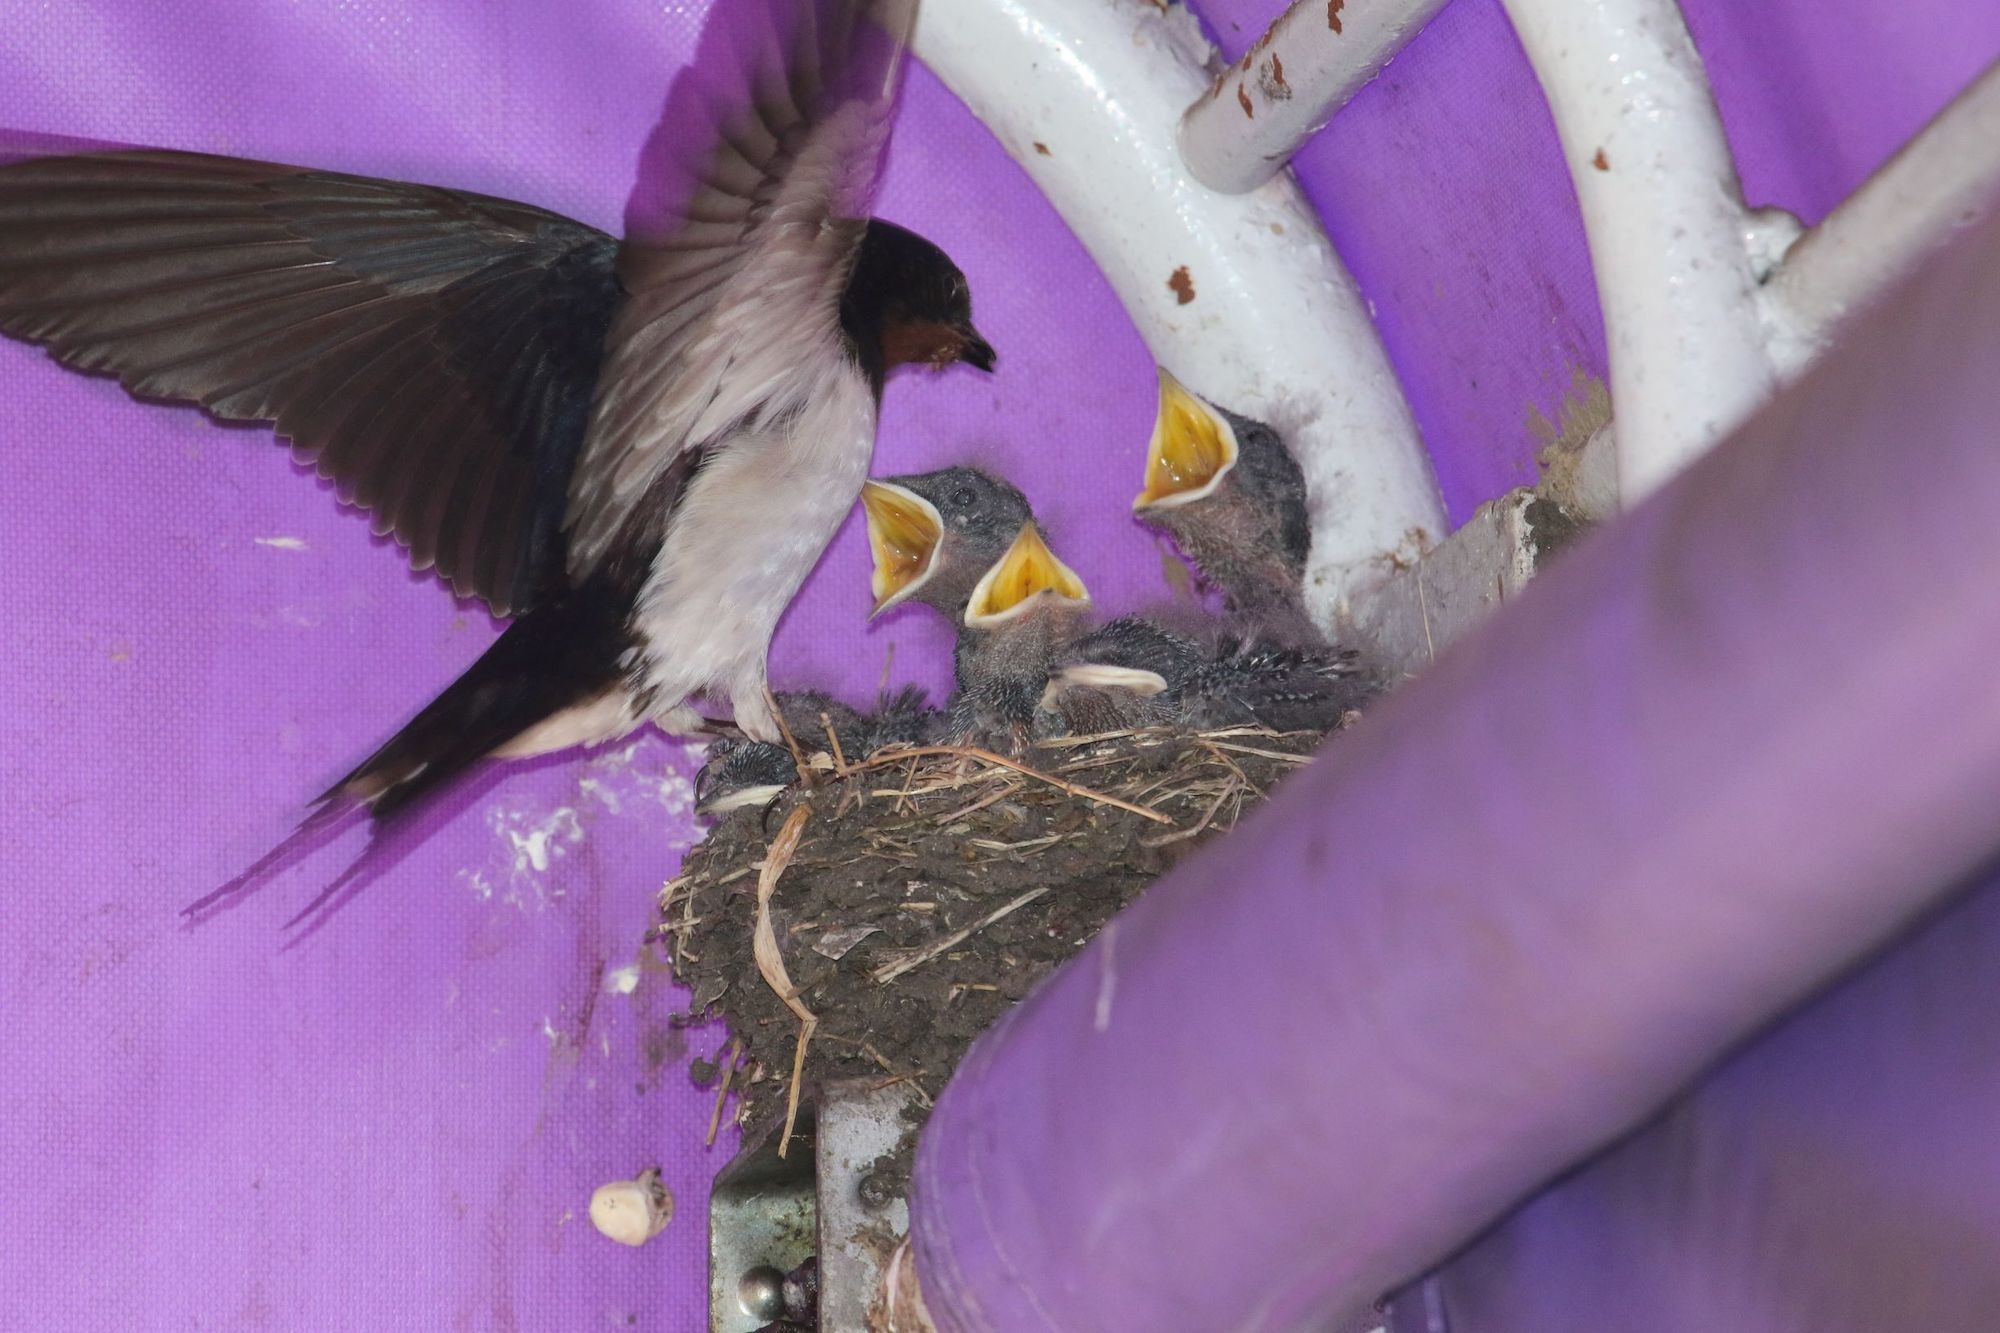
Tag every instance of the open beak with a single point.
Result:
(1028, 572)
(1192, 449)
(974, 350)
(904, 533)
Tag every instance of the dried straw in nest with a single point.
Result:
(875, 922)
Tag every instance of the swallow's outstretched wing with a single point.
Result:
(735, 276)
(432, 351)
(436, 352)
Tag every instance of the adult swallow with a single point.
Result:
(637, 450)
(1232, 497)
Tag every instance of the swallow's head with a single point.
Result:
(918, 299)
(933, 534)
(1026, 579)
(1193, 448)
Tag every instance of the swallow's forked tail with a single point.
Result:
(550, 680)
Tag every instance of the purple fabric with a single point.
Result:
(1714, 754)
(397, 1124)
(1839, 1174)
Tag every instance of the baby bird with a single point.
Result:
(1232, 497)
(1128, 673)
(751, 772)
(1285, 687)
(1025, 664)
(1026, 611)
(1234, 500)
(934, 534)
(741, 774)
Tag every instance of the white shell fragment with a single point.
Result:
(632, 1212)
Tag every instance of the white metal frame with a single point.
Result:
(1669, 236)
(1707, 304)
(1944, 180)
(1260, 110)
(1239, 296)
(1159, 161)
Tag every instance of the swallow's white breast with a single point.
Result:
(752, 525)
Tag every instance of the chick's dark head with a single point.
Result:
(1231, 495)
(933, 535)
(742, 773)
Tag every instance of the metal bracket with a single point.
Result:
(769, 1214)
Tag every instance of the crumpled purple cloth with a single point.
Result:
(398, 1124)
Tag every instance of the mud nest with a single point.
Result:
(909, 901)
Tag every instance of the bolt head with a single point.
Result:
(761, 1292)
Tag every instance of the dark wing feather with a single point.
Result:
(739, 245)
(433, 352)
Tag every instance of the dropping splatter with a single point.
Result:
(1333, 8)
(1243, 100)
(1182, 284)
(1601, 162)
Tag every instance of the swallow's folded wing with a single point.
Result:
(735, 267)
(431, 351)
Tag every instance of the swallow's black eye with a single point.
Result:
(962, 498)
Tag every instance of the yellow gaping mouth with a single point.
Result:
(1028, 570)
(904, 533)
(1192, 449)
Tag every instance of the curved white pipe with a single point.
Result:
(1314, 58)
(1669, 237)
(1941, 182)
(1241, 297)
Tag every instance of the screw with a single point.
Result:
(761, 1292)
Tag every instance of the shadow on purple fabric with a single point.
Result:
(399, 1126)
(741, 50)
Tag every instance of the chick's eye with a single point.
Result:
(962, 498)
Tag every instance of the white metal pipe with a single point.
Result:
(1944, 180)
(1316, 56)
(1241, 297)
(1669, 237)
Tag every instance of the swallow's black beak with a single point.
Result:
(974, 350)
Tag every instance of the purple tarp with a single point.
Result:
(397, 1124)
